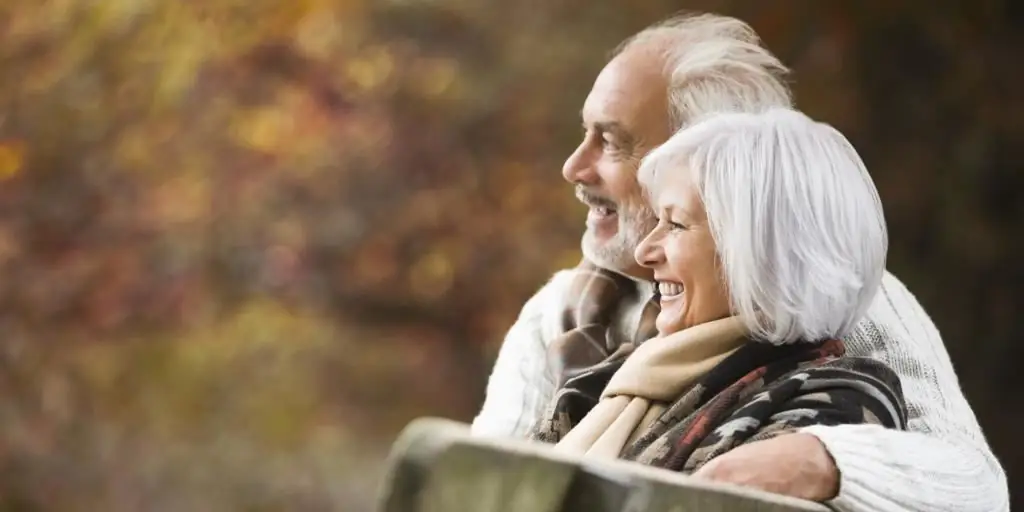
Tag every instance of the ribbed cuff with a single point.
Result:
(860, 461)
(891, 470)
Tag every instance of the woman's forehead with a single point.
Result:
(672, 187)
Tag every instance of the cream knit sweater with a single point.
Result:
(941, 464)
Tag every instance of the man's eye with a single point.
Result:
(676, 226)
(609, 142)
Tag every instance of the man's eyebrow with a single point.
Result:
(615, 128)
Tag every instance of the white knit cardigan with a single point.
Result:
(942, 463)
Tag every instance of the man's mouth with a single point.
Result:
(598, 205)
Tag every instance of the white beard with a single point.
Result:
(617, 253)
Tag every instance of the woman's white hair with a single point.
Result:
(713, 63)
(796, 219)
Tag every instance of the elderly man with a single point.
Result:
(659, 80)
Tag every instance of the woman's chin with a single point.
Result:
(670, 319)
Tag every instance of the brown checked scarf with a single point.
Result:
(678, 401)
(604, 310)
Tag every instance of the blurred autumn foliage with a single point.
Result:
(243, 242)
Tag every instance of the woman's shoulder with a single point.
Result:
(830, 361)
(872, 383)
(832, 390)
(857, 367)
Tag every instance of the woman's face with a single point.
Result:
(681, 252)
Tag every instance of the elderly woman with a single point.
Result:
(770, 246)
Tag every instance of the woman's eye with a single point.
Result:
(676, 226)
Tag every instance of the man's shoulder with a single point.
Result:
(898, 331)
(896, 312)
(862, 367)
(893, 285)
(558, 284)
(551, 297)
(565, 283)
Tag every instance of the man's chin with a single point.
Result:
(607, 253)
(615, 253)
(603, 227)
(594, 246)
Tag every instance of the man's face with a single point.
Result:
(625, 116)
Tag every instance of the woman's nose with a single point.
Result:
(649, 254)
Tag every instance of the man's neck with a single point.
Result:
(640, 275)
(643, 279)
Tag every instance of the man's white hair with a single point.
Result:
(713, 63)
(796, 219)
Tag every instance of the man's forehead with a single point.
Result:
(609, 101)
(628, 91)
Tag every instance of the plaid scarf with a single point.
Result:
(758, 391)
(604, 311)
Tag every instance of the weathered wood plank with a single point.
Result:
(657, 490)
(436, 466)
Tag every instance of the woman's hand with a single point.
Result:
(796, 465)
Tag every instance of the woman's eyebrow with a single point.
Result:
(669, 208)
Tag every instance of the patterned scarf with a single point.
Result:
(755, 392)
(604, 311)
(646, 378)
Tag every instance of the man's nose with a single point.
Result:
(648, 253)
(579, 168)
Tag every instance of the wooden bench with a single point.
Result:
(436, 466)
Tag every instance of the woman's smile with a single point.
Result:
(669, 289)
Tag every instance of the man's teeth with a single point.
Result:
(603, 210)
(669, 289)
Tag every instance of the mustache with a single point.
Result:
(591, 199)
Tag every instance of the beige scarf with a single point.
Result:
(654, 374)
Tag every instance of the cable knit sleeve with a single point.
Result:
(942, 463)
(521, 383)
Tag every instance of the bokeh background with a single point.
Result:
(244, 242)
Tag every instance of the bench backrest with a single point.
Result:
(437, 466)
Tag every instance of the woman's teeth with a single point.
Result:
(669, 289)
